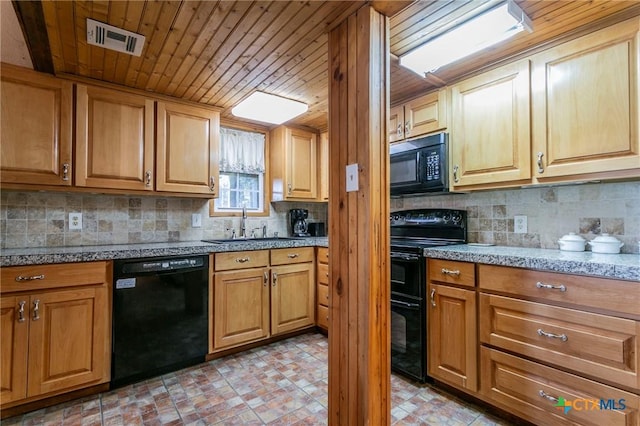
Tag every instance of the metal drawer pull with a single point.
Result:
(275, 279)
(212, 184)
(539, 162)
(31, 278)
(242, 259)
(547, 396)
(36, 310)
(289, 189)
(446, 271)
(432, 297)
(65, 171)
(266, 279)
(455, 173)
(560, 287)
(562, 337)
(21, 311)
(399, 131)
(147, 178)
(292, 256)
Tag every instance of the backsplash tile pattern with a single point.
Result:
(586, 209)
(40, 219)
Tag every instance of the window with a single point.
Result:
(241, 171)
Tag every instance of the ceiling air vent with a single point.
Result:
(110, 37)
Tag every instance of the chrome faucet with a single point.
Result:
(243, 223)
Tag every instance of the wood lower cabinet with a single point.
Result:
(322, 314)
(114, 139)
(261, 293)
(37, 130)
(56, 328)
(451, 322)
(586, 121)
(187, 149)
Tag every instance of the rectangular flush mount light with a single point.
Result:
(268, 108)
(489, 28)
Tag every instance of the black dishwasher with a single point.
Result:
(160, 316)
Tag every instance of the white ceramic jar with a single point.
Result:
(572, 242)
(606, 243)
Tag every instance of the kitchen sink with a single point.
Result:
(248, 240)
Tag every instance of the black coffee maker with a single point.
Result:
(299, 227)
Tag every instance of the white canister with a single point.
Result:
(572, 242)
(606, 243)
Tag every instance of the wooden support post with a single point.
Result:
(359, 342)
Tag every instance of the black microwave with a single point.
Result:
(419, 165)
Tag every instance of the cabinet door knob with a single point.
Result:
(212, 184)
(147, 178)
(65, 171)
(275, 279)
(21, 310)
(399, 131)
(455, 173)
(289, 188)
(539, 162)
(407, 128)
(36, 309)
(432, 297)
(266, 279)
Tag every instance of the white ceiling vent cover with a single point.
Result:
(114, 38)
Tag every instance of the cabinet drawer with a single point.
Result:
(287, 256)
(323, 317)
(323, 255)
(323, 295)
(41, 277)
(447, 271)
(602, 294)
(323, 273)
(534, 391)
(599, 346)
(241, 260)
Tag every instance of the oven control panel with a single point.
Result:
(428, 217)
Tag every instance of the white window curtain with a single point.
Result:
(241, 151)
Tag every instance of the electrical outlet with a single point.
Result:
(196, 220)
(520, 224)
(75, 221)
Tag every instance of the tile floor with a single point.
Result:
(284, 383)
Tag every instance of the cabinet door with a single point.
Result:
(114, 139)
(301, 164)
(292, 297)
(425, 114)
(585, 105)
(69, 339)
(323, 167)
(187, 149)
(490, 134)
(452, 355)
(36, 131)
(396, 123)
(241, 307)
(13, 351)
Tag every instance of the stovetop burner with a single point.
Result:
(420, 228)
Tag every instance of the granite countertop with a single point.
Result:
(622, 266)
(36, 256)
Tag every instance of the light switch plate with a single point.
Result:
(352, 177)
(75, 221)
(196, 220)
(520, 224)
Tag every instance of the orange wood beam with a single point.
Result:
(359, 342)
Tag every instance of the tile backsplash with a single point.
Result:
(40, 219)
(586, 209)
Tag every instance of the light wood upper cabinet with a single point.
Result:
(323, 168)
(419, 116)
(294, 166)
(490, 134)
(187, 149)
(56, 329)
(585, 106)
(114, 139)
(36, 131)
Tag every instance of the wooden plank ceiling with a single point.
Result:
(219, 52)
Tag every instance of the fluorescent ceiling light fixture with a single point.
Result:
(268, 108)
(478, 33)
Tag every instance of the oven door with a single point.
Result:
(407, 274)
(408, 337)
